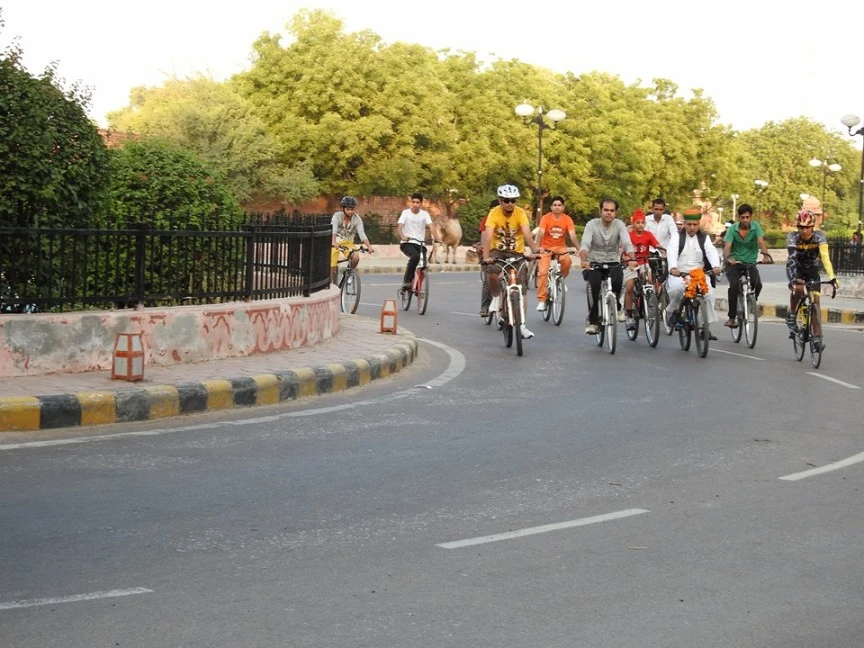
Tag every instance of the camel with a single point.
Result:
(446, 236)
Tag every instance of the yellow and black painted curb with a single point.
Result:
(30, 413)
(830, 315)
(433, 267)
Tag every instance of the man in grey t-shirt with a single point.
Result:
(602, 241)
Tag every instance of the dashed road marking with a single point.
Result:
(834, 380)
(837, 465)
(497, 537)
(92, 596)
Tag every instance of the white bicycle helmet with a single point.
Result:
(508, 191)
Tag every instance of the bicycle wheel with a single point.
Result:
(551, 297)
(739, 318)
(798, 341)
(350, 292)
(516, 306)
(611, 323)
(700, 319)
(504, 320)
(633, 333)
(422, 283)
(533, 273)
(405, 298)
(663, 303)
(651, 312)
(685, 332)
(560, 301)
(751, 323)
(600, 335)
(815, 351)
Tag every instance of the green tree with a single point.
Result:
(155, 182)
(53, 163)
(216, 123)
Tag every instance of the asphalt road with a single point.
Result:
(565, 498)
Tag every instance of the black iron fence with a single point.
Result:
(78, 269)
(846, 257)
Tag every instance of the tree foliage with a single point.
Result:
(157, 183)
(213, 121)
(53, 163)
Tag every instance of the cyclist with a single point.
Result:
(662, 225)
(413, 223)
(346, 225)
(506, 233)
(602, 241)
(742, 244)
(692, 253)
(551, 235)
(806, 249)
(643, 241)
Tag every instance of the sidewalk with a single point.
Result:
(356, 355)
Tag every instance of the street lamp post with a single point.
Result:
(527, 110)
(826, 168)
(850, 122)
(761, 184)
(735, 198)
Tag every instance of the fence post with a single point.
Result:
(140, 251)
(250, 261)
(307, 262)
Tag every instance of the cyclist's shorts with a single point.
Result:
(336, 255)
(811, 276)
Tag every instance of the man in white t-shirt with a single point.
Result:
(412, 224)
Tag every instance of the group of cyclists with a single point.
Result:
(666, 248)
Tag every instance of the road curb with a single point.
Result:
(830, 315)
(31, 413)
(433, 267)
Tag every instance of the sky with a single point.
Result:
(758, 60)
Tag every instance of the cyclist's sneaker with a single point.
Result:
(790, 322)
(495, 305)
(484, 312)
(591, 329)
(541, 306)
(406, 286)
(671, 320)
(631, 323)
(621, 316)
(817, 343)
(526, 334)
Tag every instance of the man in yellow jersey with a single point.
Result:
(506, 233)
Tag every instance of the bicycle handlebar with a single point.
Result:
(807, 284)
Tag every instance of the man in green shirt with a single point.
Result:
(741, 245)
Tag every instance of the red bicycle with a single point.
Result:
(420, 283)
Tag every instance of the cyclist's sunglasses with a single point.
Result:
(509, 201)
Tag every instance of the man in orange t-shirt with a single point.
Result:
(643, 241)
(551, 234)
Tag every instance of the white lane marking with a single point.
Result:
(457, 544)
(732, 353)
(834, 380)
(837, 465)
(455, 367)
(71, 599)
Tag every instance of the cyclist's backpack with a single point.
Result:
(706, 265)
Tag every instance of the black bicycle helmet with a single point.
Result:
(349, 201)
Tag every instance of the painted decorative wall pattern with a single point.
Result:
(45, 343)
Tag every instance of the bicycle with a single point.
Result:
(420, 283)
(349, 282)
(608, 308)
(806, 320)
(647, 307)
(512, 314)
(556, 290)
(747, 315)
(694, 317)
